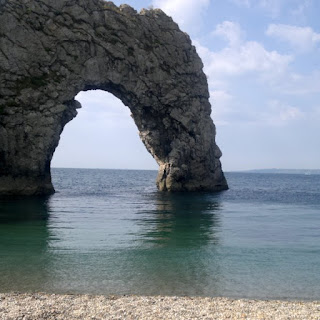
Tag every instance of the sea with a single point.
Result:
(111, 232)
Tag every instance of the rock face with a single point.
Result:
(50, 50)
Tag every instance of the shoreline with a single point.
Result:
(34, 306)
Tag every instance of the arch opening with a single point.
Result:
(102, 136)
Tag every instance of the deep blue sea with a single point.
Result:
(112, 232)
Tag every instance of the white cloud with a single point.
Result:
(299, 12)
(279, 113)
(231, 31)
(273, 7)
(221, 106)
(302, 38)
(298, 84)
(187, 13)
(221, 97)
(247, 56)
(228, 111)
(249, 63)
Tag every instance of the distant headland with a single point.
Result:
(284, 171)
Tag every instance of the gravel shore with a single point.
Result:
(54, 306)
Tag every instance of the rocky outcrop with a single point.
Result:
(52, 49)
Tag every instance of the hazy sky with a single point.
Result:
(262, 59)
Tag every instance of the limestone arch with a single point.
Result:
(61, 47)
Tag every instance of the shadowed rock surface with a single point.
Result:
(50, 50)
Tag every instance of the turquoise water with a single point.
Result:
(111, 232)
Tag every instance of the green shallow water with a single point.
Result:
(111, 232)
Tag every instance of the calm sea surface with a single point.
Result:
(111, 232)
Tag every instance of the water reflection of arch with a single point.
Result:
(182, 219)
(180, 237)
(23, 243)
(23, 209)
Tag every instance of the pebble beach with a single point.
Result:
(54, 306)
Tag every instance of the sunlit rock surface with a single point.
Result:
(50, 50)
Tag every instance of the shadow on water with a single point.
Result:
(23, 242)
(179, 238)
(23, 209)
(182, 220)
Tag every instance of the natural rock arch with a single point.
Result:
(52, 49)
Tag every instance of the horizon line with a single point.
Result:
(233, 170)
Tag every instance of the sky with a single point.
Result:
(262, 60)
